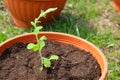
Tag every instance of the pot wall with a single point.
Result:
(63, 38)
(116, 4)
(25, 11)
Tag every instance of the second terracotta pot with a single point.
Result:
(116, 4)
(25, 11)
(66, 39)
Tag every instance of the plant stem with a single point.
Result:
(40, 54)
(37, 38)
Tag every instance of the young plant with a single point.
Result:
(45, 62)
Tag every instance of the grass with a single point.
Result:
(6, 28)
(93, 20)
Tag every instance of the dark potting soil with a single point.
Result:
(19, 63)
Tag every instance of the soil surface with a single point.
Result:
(19, 63)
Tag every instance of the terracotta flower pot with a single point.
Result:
(66, 39)
(116, 4)
(25, 11)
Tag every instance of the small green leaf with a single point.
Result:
(41, 27)
(37, 29)
(50, 10)
(41, 44)
(43, 38)
(30, 46)
(54, 57)
(35, 21)
(35, 48)
(42, 14)
(33, 24)
(46, 62)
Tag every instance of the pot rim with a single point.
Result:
(105, 69)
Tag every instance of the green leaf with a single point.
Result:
(35, 48)
(42, 14)
(35, 21)
(46, 62)
(54, 57)
(33, 24)
(50, 10)
(30, 46)
(37, 29)
(41, 27)
(41, 44)
(43, 38)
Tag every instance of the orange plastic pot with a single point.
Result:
(25, 11)
(66, 39)
(116, 4)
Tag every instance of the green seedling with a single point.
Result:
(45, 62)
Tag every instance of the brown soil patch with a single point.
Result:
(19, 63)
